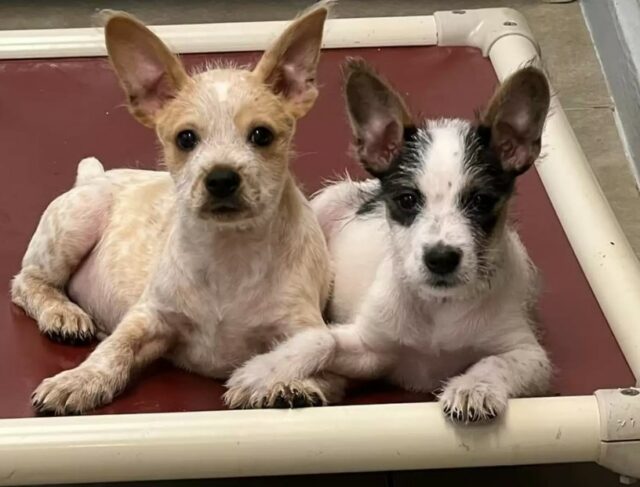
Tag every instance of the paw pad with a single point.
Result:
(291, 398)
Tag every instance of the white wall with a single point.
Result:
(615, 28)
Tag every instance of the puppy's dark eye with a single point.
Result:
(483, 203)
(186, 140)
(407, 201)
(261, 136)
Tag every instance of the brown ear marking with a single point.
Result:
(148, 71)
(516, 115)
(379, 116)
(289, 66)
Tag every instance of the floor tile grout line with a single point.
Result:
(594, 107)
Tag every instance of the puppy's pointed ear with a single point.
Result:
(149, 73)
(379, 117)
(516, 116)
(289, 66)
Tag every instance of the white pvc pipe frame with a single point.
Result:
(349, 438)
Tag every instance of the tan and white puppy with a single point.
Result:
(207, 264)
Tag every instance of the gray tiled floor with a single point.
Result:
(575, 73)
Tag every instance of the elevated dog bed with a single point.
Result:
(60, 102)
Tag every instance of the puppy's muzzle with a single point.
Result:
(222, 183)
(442, 260)
(224, 188)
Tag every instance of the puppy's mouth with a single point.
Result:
(458, 284)
(443, 282)
(226, 210)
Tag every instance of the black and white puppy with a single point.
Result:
(431, 284)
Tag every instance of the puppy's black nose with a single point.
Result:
(222, 183)
(442, 259)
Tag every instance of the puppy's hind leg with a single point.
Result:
(68, 230)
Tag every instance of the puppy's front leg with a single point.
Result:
(481, 393)
(298, 364)
(262, 379)
(354, 356)
(139, 338)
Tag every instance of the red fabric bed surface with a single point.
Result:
(55, 112)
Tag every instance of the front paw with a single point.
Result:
(466, 399)
(73, 391)
(249, 388)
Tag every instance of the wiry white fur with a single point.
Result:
(222, 89)
(362, 249)
(476, 339)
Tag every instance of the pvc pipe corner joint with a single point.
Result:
(620, 430)
(481, 28)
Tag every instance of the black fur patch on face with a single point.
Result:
(371, 204)
(398, 189)
(489, 188)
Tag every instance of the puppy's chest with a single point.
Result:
(437, 329)
(224, 321)
(441, 344)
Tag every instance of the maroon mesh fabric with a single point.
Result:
(55, 112)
